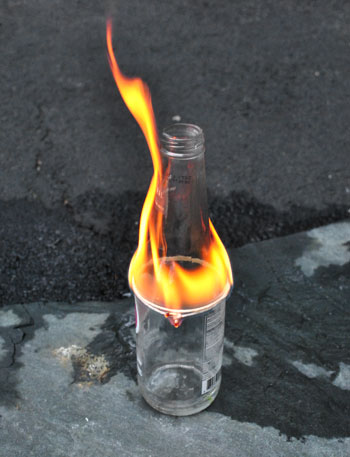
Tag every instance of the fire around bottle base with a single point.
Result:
(175, 389)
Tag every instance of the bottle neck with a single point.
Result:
(182, 194)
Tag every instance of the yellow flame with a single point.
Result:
(160, 279)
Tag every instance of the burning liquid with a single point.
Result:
(173, 270)
(179, 285)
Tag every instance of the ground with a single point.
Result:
(68, 372)
(268, 83)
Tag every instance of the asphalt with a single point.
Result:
(268, 84)
(81, 251)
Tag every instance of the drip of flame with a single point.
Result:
(168, 283)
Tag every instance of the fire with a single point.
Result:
(163, 281)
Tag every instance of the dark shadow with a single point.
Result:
(82, 251)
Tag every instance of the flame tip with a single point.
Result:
(170, 282)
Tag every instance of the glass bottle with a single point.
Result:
(179, 351)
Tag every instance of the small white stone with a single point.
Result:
(317, 74)
(176, 118)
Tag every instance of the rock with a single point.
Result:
(68, 384)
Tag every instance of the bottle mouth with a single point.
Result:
(182, 140)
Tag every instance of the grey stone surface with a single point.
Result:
(69, 387)
(3, 349)
(311, 370)
(329, 247)
(242, 354)
(343, 378)
(8, 318)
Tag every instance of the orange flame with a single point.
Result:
(162, 281)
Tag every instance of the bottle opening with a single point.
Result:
(182, 140)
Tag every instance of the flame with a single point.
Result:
(163, 281)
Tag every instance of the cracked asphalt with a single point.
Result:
(269, 85)
(268, 82)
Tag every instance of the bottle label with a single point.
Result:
(213, 347)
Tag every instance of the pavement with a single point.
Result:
(68, 373)
(268, 82)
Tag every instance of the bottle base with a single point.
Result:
(176, 389)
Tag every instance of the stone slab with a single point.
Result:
(67, 371)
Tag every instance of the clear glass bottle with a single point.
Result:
(179, 351)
